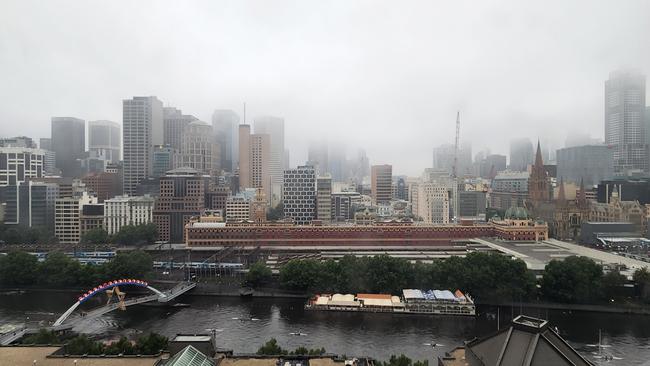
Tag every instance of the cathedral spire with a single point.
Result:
(582, 197)
(538, 156)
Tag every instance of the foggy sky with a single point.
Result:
(386, 76)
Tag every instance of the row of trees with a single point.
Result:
(486, 276)
(58, 270)
(272, 348)
(29, 235)
(128, 235)
(148, 344)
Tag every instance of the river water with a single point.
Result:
(362, 334)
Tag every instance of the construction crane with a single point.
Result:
(455, 167)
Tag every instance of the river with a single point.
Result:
(375, 335)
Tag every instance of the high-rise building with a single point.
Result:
(163, 160)
(274, 128)
(318, 157)
(49, 162)
(299, 194)
(381, 181)
(432, 203)
(69, 144)
(18, 141)
(17, 164)
(337, 162)
(343, 204)
(225, 123)
(445, 155)
(254, 160)
(67, 226)
(198, 149)
(491, 165)
(126, 210)
(30, 204)
(324, 198)
(182, 195)
(521, 154)
(590, 164)
(174, 122)
(625, 127)
(104, 140)
(142, 128)
(471, 204)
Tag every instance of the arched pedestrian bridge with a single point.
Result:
(61, 324)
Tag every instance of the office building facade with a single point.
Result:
(625, 126)
(589, 164)
(225, 123)
(381, 180)
(299, 194)
(254, 160)
(521, 154)
(127, 210)
(18, 164)
(142, 120)
(104, 140)
(198, 149)
(324, 198)
(68, 143)
(174, 122)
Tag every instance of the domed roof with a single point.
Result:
(516, 213)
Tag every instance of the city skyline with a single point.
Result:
(493, 63)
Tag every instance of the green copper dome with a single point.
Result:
(516, 213)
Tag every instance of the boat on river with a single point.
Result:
(412, 301)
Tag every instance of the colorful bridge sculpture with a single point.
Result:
(157, 295)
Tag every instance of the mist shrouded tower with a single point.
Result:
(625, 129)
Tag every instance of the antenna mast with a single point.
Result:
(455, 167)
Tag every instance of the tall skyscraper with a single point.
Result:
(104, 140)
(317, 156)
(444, 156)
(625, 127)
(225, 123)
(433, 203)
(274, 128)
(589, 164)
(69, 144)
(381, 181)
(299, 194)
(198, 148)
(174, 122)
(324, 198)
(521, 154)
(142, 128)
(163, 160)
(254, 160)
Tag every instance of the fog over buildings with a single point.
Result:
(386, 77)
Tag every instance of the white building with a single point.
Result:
(432, 203)
(238, 208)
(299, 194)
(19, 163)
(124, 210)
(198, 149)
(67, 212)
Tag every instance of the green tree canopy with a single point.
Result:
(403, 360)
(572, 280)
(258, 273)
(136, 263)
(271, 348)
(59, 270)
(95, 236)
(18, 268)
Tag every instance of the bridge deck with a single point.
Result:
(169, 295)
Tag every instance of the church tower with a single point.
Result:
(538, 187)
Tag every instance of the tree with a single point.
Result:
(122, 346)
(642, 279)
(151, 344)
(275, 213)
(403, 360)
(136, 234)
(18, 268)
(134, 264)
(388, 274)
(271, 348)
(42, 337)
(258, 273)
(59, 270)
(82, 345)
(573, 280)
(613, 285)
(301, 275)
(95, 236)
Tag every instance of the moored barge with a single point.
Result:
(412, 301)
